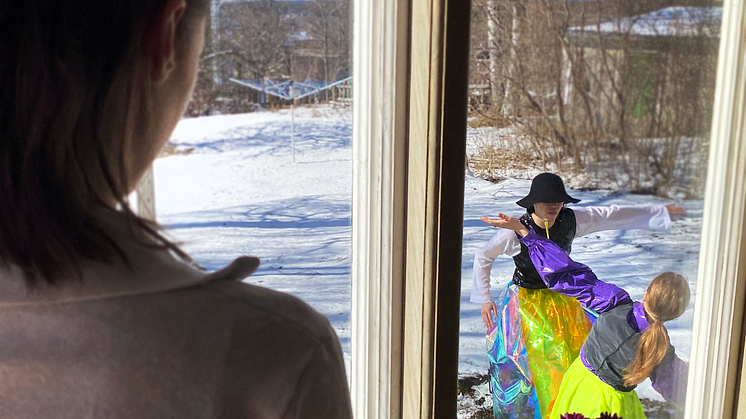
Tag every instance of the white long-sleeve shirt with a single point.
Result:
(588, 220)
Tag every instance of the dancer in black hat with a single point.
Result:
(539, 332)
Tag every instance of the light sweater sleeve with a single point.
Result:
(621, 217)
(504, 242)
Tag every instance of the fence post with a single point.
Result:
(146, 196)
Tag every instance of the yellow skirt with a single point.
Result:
(583, 392)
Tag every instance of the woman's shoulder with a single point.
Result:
(283, 310)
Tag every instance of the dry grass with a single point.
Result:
(497, 154)
(490, 157)
(486, 118)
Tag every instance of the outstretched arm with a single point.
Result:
(625, 217)
(669, 378)
(564, 275)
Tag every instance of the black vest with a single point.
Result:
(562, 232)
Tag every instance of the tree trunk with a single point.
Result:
(215, 38)
(493, 37)
(514, 67)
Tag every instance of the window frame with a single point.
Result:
(406, 238)
(380, 247)
(719, 306)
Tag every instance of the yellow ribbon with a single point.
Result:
(546, 227)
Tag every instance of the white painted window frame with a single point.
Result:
(719, 306)
(408, 148)
(144, 196)
(380, 41)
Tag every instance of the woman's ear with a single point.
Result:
(161, 40)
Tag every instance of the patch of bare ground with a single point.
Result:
(655, 409)
(466, 384)
(482, 413)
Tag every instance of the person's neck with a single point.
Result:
(540, 221)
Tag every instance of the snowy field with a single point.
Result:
(231, 189)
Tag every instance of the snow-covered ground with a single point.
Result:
(238, 192)
(233, 190)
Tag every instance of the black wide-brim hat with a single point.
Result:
(547, 188)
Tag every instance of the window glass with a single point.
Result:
(616, 98)
(261, 162)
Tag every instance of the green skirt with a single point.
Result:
(583, 392)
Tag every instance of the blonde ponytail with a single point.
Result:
(666, 299)
(651, 349)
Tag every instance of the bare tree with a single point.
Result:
(593, 86)
(494, 48)
(328, 25)
(515, 72)
(255, 33)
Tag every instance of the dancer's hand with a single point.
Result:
(674, 209)
(487, 310)
(507, 222)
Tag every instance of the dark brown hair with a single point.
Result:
(666, 298)
(73, 82)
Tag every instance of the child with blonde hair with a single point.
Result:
(525, 374)
(628, 342)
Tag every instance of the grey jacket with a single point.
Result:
(164, 340)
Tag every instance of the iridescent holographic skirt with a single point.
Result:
(537, 335)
